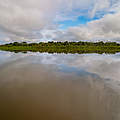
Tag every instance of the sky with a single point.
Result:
(59, 20)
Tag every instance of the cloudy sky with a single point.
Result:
(59, 20)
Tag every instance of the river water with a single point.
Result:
(42, 86)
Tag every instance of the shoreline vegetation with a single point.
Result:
(63, 47)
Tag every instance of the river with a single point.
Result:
(42, 86)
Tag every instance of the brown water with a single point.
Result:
(36, 86)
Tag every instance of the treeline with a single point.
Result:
(63, 47)
(66, 43)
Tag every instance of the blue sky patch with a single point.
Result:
(81, 20)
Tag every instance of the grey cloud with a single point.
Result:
(23, 19)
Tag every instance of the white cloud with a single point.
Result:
(106, 28)
(21, 17)
(21, 20)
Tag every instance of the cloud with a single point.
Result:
(106, 28)
(19, 18)
(27, 19)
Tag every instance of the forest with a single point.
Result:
(63, 47)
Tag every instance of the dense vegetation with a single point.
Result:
(63, 47)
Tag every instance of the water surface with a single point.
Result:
(41, 86)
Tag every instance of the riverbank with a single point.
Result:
(63, 47)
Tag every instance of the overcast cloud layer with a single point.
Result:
(36, 20)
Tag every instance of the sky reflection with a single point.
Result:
(59, 86)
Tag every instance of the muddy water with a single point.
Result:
(36, 86)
